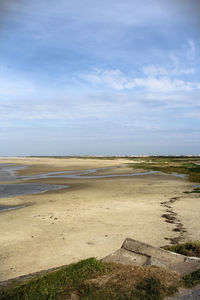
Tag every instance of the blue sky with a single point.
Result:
(109, 77)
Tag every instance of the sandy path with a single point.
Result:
(92, 218)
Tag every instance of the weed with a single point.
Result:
(194, 191)
(183, 165)
(192, 279)
(188, 249)
(91, 279)
(50, 285)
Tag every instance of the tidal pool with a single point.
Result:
(9, 190)
(8, 172)
(10, 207)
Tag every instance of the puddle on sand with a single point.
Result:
(8, 173)
(4, 208)
(179, 175)
(84, 174)
(10, 190)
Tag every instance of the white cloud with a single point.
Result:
(117, 80)
(112, 78)
(23, 99)
(165, 84)
(177, 70)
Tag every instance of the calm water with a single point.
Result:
(8, 172)
(8, 190)
(7, 207)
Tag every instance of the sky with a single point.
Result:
(91, 77)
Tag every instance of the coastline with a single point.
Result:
(89, 219)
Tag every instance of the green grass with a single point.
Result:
(183, 165)
(192, 279)
(149, 288)
(52, 284)
(167, 164)
(194, 191)
(132, 282)
(187, 249)
(91, 279)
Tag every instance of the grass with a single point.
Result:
(183, 165)
(152, 288)
(188, 249)
(168, 164)
(91, 279)
(52, 284)
(192, 279)
(132, 282)
(194, 191)
(149, 288)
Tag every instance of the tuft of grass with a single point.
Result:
(151, 288)
(192, 279)
(48, 286)
(194, 191)
(91, 279)
(188, 249)
(132, 282)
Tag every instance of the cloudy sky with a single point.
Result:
(99, 77)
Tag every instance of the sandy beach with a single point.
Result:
(92, 217)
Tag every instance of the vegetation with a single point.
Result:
(194, 191)
(187, 249)
(192, 279)
(181, 165)
(92, 279)
(169, 164)
(50, 285)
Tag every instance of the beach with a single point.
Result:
(90, 217)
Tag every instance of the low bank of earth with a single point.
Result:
(92, 279)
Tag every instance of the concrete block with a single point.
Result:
(134, 252)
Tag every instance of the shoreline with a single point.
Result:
(91, 218)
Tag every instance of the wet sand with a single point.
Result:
(90, 218)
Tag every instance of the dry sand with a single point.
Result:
(91, 218)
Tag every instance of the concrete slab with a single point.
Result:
(134, 252)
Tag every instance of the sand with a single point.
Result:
(91, 218)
